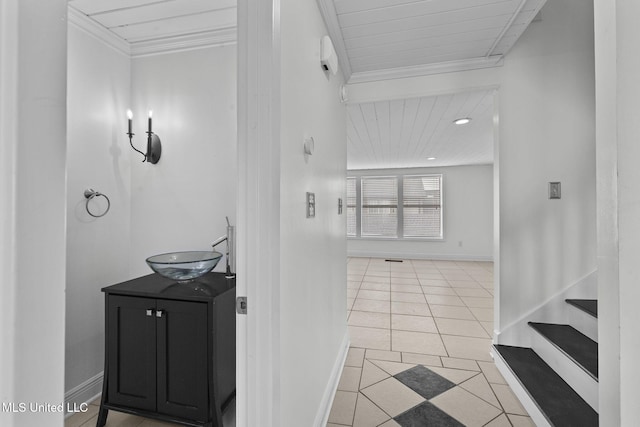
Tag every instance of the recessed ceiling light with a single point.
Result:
(431, 158)
(462, 121)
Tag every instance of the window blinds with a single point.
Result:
(422, 213)
(351, 207)
(379, 207)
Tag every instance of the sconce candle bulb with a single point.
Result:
(154, 147)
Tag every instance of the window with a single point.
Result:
(401, 206)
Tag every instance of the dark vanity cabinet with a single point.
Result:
(170, 349)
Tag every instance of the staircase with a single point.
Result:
(557, 378)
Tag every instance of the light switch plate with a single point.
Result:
(311, 205)
(554, 190)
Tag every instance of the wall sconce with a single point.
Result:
(154, 147)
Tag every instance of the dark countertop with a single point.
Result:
(153, 285)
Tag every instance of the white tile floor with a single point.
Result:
(405, 317)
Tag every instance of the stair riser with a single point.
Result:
(527, 402)
(583, 322)
(573, 374)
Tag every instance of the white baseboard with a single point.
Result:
(330, 391)
(85, 392)
(413, 255)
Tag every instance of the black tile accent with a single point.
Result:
(424, 381)
(394, 260)
(587, 305)
(426, 414)
(580, 348)
(562, 406)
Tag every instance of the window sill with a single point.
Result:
(400, 239)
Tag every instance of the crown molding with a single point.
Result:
(330, 16)
(83, 22)
(426, 69)
(218, 37)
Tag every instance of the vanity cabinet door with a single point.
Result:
(183, 370)
(132, 352)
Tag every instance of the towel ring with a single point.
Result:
(90, 194)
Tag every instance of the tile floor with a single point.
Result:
(420, 338)
(119, 419)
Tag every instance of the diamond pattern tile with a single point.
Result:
(424, 381)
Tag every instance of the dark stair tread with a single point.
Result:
(589, 306)
(580, 348)
(562, 406)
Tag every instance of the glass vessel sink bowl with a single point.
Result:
(184, 266)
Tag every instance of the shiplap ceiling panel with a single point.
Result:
(143, 21)
(380, 35)
(405, 133)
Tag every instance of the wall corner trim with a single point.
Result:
(85, 392)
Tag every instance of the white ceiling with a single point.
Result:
(144, 21)
(404, 133)
(374, 39)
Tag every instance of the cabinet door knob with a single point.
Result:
(150, 312)
(159, 313)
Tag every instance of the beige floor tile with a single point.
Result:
(500, 421)
(479, 386)
(466, 364)
(376, 286)
(408, 297)
(405, 322)
(392, 368)
(393, 356)
(416, 289)
(378, 273)
(437, 290)
(456, 376)
(488, 326)
(417, 342)
(467, 347)
(353, 285)
(372, 305)
(79, 418)
(367, 414)
(465, 328)
(456, 275)
(478, 302)
(410, 308)
(392, 396)
(465, 407)
(483, 314)
(352, 293)
(473, 292)
(445, 300)
(430, 276)
(403, 275)
(521, 421)
(404, 281)
(343, 408)
(464, 284)
(421, 359)
(432, 282)
(350, 302)
(369, 319)
(156, 423)
(350, 379)
(376, 279)
(508, 400)
(355, 277)
(371, 374)
(355, 357)
(491, 372)
(451, 312)
(370, 338)
(390, 423)
(374, 295)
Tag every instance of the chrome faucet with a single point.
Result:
(230, 238)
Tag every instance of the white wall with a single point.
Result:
(547, 134)
(181, 202)
(467, 197)
(313, 250)
(97, 157)
(32, 206)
